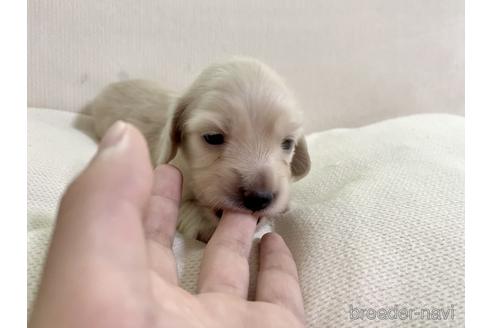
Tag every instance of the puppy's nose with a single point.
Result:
(257, 200)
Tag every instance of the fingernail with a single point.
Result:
(114, 136)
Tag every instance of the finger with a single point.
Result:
(225, 266)
(160, 221)
(98, 245)
(100, 216)
(278, 281)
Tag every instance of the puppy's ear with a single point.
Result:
(171, 135)
(301, 162)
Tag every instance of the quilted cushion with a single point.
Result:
(378, 223)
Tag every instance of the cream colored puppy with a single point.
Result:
(235, 134)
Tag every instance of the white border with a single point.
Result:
(478, 197)
(13, 240)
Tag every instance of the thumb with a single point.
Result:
(104, 206)
(98, 237)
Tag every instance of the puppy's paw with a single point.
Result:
(205, 234)
(194, 222)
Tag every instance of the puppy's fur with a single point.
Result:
(244, 101)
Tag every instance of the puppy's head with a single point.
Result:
(240, 133)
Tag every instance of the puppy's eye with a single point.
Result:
(214, 138)
(287, 144)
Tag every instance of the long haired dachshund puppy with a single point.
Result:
(235, 134)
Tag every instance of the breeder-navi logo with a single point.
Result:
(397, 312)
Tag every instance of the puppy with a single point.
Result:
(235, 134)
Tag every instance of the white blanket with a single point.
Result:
(377, 224)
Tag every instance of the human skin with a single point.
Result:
(110, 262)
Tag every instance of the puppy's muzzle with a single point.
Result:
(256, 200)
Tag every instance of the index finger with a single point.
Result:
(225, 267)
(160, 221)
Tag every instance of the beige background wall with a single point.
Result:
(350, 62)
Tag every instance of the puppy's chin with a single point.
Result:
(270, 211)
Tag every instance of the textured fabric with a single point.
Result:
(378, 222)
(350, 62)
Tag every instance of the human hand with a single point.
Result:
(110, 263)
